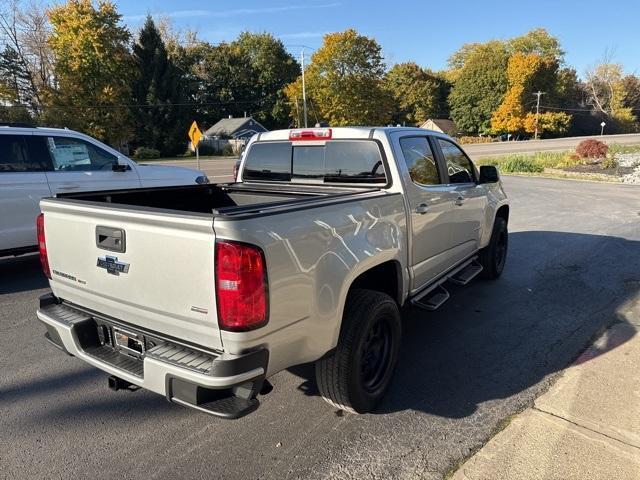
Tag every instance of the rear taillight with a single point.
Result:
(236, 167)
(241, 286)
(42, 245)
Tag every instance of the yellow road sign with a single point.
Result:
(195, 134)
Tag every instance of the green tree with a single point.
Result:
(480, 83)
(345, 82)
(247, 75)
(418, 93)
(93, 69)
(225, 81)
(631, 99)
(271, 69)
(156, 94)
(537, 41)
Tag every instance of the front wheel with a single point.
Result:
(355, 377)
(494, 256)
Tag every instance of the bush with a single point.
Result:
(521, 164)
(227, 150)
(206, 150)
(467, 139)
(144, 153)
(609, 162)
(592, 149)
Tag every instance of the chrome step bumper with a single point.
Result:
(184, 375)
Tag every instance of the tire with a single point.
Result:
(356, 375)
(494, 256)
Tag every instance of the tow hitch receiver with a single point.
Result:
(116, 383)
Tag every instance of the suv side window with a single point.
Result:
(72, 154)
(420, 160)
(14, 155)
(459, 167)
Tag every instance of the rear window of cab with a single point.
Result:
(336, 161)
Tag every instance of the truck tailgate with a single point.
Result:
(161, 279)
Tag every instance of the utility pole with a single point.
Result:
(304, 92)
(538, 94)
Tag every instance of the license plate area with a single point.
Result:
(130, 342)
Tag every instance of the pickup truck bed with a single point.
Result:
(216, 199)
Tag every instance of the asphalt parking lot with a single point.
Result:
(574, 260)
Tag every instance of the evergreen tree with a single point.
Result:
(156, 95)
(15, 88)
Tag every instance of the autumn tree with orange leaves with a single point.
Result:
(527, 73)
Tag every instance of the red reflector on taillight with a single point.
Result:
(42, 245)
(312, 134)
(241, 286)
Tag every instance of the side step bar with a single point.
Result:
(433, 300)
(432, 297)
(467, 274)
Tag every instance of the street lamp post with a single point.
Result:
(304, 91)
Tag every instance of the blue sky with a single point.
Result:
(413, 30)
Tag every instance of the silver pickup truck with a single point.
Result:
(202, 292)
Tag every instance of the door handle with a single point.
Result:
(459, 201)
(422, 208)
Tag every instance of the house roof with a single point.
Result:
(227, 127)
(443, 124)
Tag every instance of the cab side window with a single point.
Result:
(459, 167)
(14, 155)
(420, 160)
(75, 155)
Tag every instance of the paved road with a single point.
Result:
(495, 346)
(220, 169)
(555, 144)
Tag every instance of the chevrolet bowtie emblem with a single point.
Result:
(112, 265)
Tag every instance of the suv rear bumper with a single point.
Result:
(183, 374)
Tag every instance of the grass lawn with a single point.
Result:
(563, 164)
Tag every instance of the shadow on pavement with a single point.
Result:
(493, 339)
(48, 385)
(19, 274)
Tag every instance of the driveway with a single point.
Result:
(574, 259)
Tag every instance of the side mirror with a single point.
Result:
(489, 174)
(119, 167)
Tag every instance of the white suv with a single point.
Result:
(42, 162)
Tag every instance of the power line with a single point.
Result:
(163, 105)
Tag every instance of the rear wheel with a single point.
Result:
(494, 256)
(355, 377)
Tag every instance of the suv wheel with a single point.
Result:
(494, 255)
(355, 377)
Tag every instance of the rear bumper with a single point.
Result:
(183, 374)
